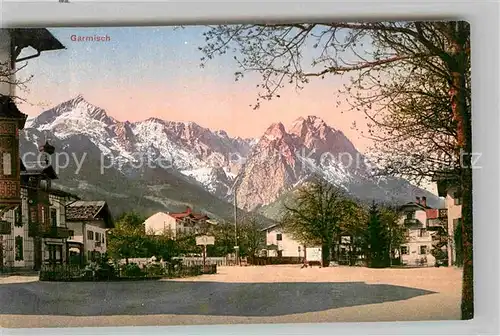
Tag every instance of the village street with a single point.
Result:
(266, 294)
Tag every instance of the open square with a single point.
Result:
(268, 294)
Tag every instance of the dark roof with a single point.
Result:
(8, 109)
(88, 211)
(37, 38)
(415, 204)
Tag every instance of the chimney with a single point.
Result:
(418, 200)
(424, 201)
(188, 210)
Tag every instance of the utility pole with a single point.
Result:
(235, 204)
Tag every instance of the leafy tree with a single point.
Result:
(128, 239)
(377, 240)
(397, 233)
(251, 237)
(413, 84)
(316, 216)
(224, 240)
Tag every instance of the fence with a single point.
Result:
(275, 260)
(219, 261)
(60, 272)
(131, 271)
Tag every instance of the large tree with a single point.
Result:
(411, 79)
(316, 216)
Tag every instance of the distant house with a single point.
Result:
(178, 223)
(281, 244)
(421, 222)
(88, 222)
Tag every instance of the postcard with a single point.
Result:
(228, 174)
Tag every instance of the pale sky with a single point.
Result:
(148, 71)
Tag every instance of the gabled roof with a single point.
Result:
(270, 227)
(39, 39)
(188, 214)
(415, 204)
(88, 211)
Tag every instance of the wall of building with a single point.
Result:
(28, 254)
(288, 246)
(418, 236)
(81, 234)
(161, 222)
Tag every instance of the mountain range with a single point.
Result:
(159, 165)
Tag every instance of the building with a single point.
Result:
(23, 237)
(88, 223)
(422, 223)
(36, 232)
(178, 223)
(281, 244)
(449, 188)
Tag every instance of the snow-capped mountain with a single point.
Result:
(284, 158)
(211, 158)
(154, 151)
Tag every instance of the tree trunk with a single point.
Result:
(325, 254)
(462, 115)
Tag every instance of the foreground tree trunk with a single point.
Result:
(462, 116)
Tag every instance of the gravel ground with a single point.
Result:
(266, 294)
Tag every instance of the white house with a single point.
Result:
(177, 223)
(88, 223)
(420, 220)
(281, 244)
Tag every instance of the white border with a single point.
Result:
(483, 16)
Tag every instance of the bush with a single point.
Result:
(132, 270)
(155, 270)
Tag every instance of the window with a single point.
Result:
(90, 235)
(423, 249)
(53, 217)
(457, 197)
(7, 164)
(410, 215)
(422, 233)
(299, 249)
(279, 237)
(102, 239)
(71, 233)
(404, 250)
(19, 248)
(97, 236)
(18, 216)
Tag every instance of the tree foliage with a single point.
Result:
(377, 240)
(320, 209)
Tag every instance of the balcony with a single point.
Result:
(5, 228)
(57, 232)
(412, 222)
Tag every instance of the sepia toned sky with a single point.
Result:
(148, 71)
